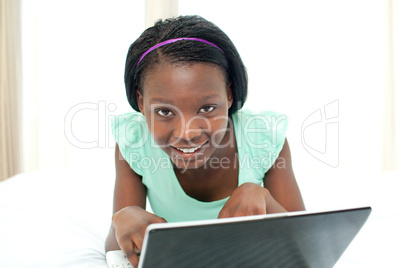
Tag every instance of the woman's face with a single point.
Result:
(186, 109)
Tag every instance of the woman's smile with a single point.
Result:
(190, 153)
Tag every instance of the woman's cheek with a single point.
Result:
(218, 130)
(158, 133)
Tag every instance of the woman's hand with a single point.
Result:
(130, 224)
(250, 199)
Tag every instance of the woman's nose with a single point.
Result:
(189, 129)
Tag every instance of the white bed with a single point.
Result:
(61, 218)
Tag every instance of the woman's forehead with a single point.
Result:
(184, 79)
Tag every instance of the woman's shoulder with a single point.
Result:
(255, 112)
(265, 119)
(131, 133)
(260, 134)
(127, 119)
(129, 127)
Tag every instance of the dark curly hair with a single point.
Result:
(186, 51)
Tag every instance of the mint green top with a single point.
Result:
(259, 137)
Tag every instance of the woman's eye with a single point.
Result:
(207, 109)
(164, 112)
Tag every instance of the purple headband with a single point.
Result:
(175, 40)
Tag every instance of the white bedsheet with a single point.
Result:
(55, 219)
(60, 218)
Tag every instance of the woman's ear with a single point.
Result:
(230, 94)
(140, 101)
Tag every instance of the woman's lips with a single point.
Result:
(189, 152)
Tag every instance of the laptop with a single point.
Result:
(294, 239)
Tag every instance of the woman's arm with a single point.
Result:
(281, 183)
(128, 191)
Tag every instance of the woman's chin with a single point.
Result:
(184, 165)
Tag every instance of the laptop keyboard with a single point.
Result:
(122, 265)
(117, 259)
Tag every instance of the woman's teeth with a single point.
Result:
(188, 150)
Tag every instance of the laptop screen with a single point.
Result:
(288, 240)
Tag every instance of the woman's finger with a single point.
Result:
(133, 257)
(128, 247)
(138, 239)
